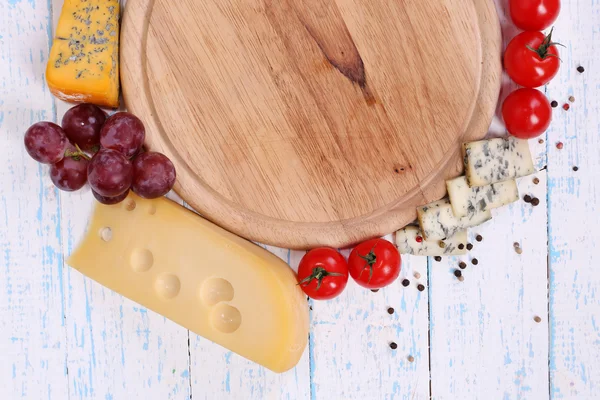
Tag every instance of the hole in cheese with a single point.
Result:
(106, 234)
(152, 209)
(216, 290)
(141, 260)
(129, 204)
(167, 286)
(225, 318)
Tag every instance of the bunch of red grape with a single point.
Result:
(104, 151)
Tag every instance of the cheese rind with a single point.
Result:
(438, 222)
(466, 200)
(406, 242)
(497, 160)
(200, 276)
(84, 60)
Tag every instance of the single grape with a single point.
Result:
(110, 173)
(153, 175)
(46, 142)
(70, 173)
(82, 124)
(123, 132)
(110, 200)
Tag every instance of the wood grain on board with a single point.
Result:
(301, 123)
(65, 337)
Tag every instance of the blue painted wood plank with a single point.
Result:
(573, 198)
(350, 353)
(485, 338)
(32, 345)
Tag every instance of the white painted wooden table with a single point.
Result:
(63, 336)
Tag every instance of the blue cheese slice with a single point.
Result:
(467, 200)
(407, 243)
(497, 160)
(438, 222)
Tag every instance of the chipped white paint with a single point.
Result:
(350, 340)
(62, 336)
(485, 342)
(574, 215)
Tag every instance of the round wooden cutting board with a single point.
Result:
(301, 123)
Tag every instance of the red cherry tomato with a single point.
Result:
(527, 113)
(374, 264)
(531, 59)
(534, 15)
(323, 273)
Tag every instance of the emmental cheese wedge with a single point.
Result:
(200, 276)
(438, 222)
(467, 200)
(407, 243)
(497, 160)
(84, 61)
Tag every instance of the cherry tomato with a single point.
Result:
(534, 15)
(531, 59)
(527, 113)
(374, 264)
(323, 273)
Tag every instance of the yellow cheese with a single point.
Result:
(200, 276)
(84, 60)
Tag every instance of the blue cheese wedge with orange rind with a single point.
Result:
(466, 200)
(496, 160)
(438, 222)
(83, 65)
(410, 240)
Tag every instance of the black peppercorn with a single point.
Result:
(554, 104)
(461, 246)
(437, 258)
(535, 202)
(575, 169)
(469, 246)
(580, 69)
(405, 282)
(462, 265)
(393, 346)
(374, 290)
(421, 288)
(479, 238)
(474, 261)
(390, 310)
(457, 273)
(527, 198)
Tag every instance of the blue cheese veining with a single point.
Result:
(84, 61)
(497, 160)
(438, 222)
(466, 200)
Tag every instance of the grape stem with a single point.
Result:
(77, 155)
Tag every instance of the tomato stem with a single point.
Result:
(371, 259)
(542, 50)
(318, 273)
